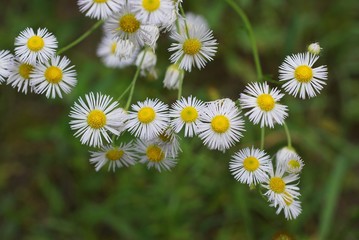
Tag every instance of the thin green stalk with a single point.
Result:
(249, 29)
(124, 92)
(81, 38)
(185, 21)
(262, 137)
(180, 89)
(289, 139)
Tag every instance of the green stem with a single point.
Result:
(133, 83)
(249, 29)
(185, 21)
(124, 92)
(81, 38)
(289, 139)
(262, 137)
(180, 89)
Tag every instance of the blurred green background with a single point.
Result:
(48, 189)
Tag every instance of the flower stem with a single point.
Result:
(262, 137)
(180, 88)
(249, 29)
(289, 139)
(81, 38)
(185, 21)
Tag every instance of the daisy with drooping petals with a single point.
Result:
(169, 141)
(185, 113)
(94, 118)
(148, 119)
(194, 49)
(31, 47)
(53, 77)
(100, 9)
(291, 209)
(300, 76)
(6, 61)
(154, 155)
(293, 163)
(155, 12)
(174, 75)
(250, 166)
(263, 104)
(220, 125)
(117, 157)
(20, 76)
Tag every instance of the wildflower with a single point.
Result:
(6, 61)
(154, 12)
(263, 104)
(19, 76)
(250, 166)
(169, 141)
(154, 155)
(148, 119)
(31, 47)
(291, 208)
(117, 157)
(193, 49)
(314, 48)
(220, 125)
(300, 76)
(53, 77)
(100, 9)
(174, 75)
(185, 113)
(292, 163)
(94, 118)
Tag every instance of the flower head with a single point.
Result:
(314, 48)
(100, 9)
(155, 12)
(19, 75)
(174, 75)
(6, 61)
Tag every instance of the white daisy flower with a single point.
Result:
(117, 157)
(116, 53)
(6, 61)
(31, 47)
(94, 118)
(169, 141)
(263, 104)
(127, 26)
(220, 125)
(154, 155)
(293, 163)
(148, 119)
(53, 77)
(280, 187)
(185, 113)
(147, 59)
(282, 155)
(100, 9)
(250, 166)
(300, 76)
(154, 12)
(194, 49)
(20, 76)
(314, 48)
(174, 75)
(292, 208)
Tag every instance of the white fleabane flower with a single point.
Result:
(93, 119)
(263, 104)
(174, 75)
(6, 61)
(300, 77)
(31, 47)
(220, 125)
(282, 155)
(148, 119)
(117, 157)
(100, 9)
(154, 155)
(194, 49)
(154, 12)
(54, 77)
(314, 48)
(185, 113)
(291, 209)
(169, 141)
(127, 26)
(250, 166)
(293, 163)
(19, 76)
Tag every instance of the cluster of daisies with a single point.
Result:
(35, 66)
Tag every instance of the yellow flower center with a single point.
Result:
(96, 119)
(251, 164)
(113, 48)
(53, 74)
(220, 124)
(192, 46)
(288, 199)
(154, 153)
(293, 164)
(151, 5)
(146, 115)
(99, 1)
(277, 185)
(189, 114)
(303, 74)
(129, 23)
(265, 102)
(24, 70)
(114, 154)
(35, 43)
